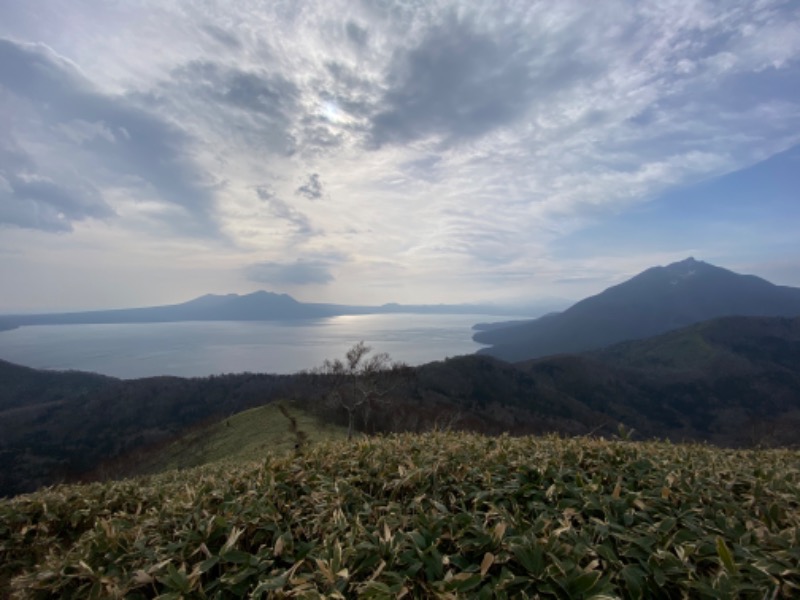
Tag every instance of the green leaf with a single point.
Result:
(418, 539)
(208, 564)
(726, 557)
(605, 552)
(175, 579)
(667, 524)
(530, 558)
(238, 557)
(270, 585)
(375, 589)
(583, 583)
(464, 582)
(634, 579)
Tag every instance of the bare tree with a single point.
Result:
(360, 382)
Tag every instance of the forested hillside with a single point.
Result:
(732, 382)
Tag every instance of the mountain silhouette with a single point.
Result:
(230, 307)
(657, 300)
(256, 306)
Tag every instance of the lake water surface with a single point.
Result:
(206, 348)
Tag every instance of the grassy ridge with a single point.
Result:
(436, 515)
(245, 436)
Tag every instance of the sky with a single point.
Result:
(371, 151)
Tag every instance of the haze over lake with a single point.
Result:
(204, 348)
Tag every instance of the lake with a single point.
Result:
(213, 347)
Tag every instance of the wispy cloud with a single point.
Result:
(292, 274)
(282, 210)
(111, 140)
(312, 188)
(458, 142)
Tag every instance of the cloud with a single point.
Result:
(282, 210)
(145, 150)
(270, 95)
(300, 272)
(423, 168)
(460, 83)
(252, 108)
(32, 200)
(465, 143)
(356, 34)
(224, 37)
(312, 188)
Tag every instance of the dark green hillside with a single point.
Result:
(62, 426)
(22, 386)
(421, 516)
(732, 381)
(495, 397)
(749, 343)
(30, 450)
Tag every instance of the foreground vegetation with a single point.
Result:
(440, 514)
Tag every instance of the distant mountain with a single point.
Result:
(659, 299)
(258, 306)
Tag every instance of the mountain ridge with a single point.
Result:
(256, 306)
(656, 300)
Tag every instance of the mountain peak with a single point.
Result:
(654, 301)
(688, 264)
(686, 268)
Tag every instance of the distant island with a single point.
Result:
(257, 306)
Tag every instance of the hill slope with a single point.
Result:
(438, 515)
(23, 387)
(716, 345)
(732, 381)
(58, 426)
(658, 300)
(248, 435)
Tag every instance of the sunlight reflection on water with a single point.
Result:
(204, 348)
